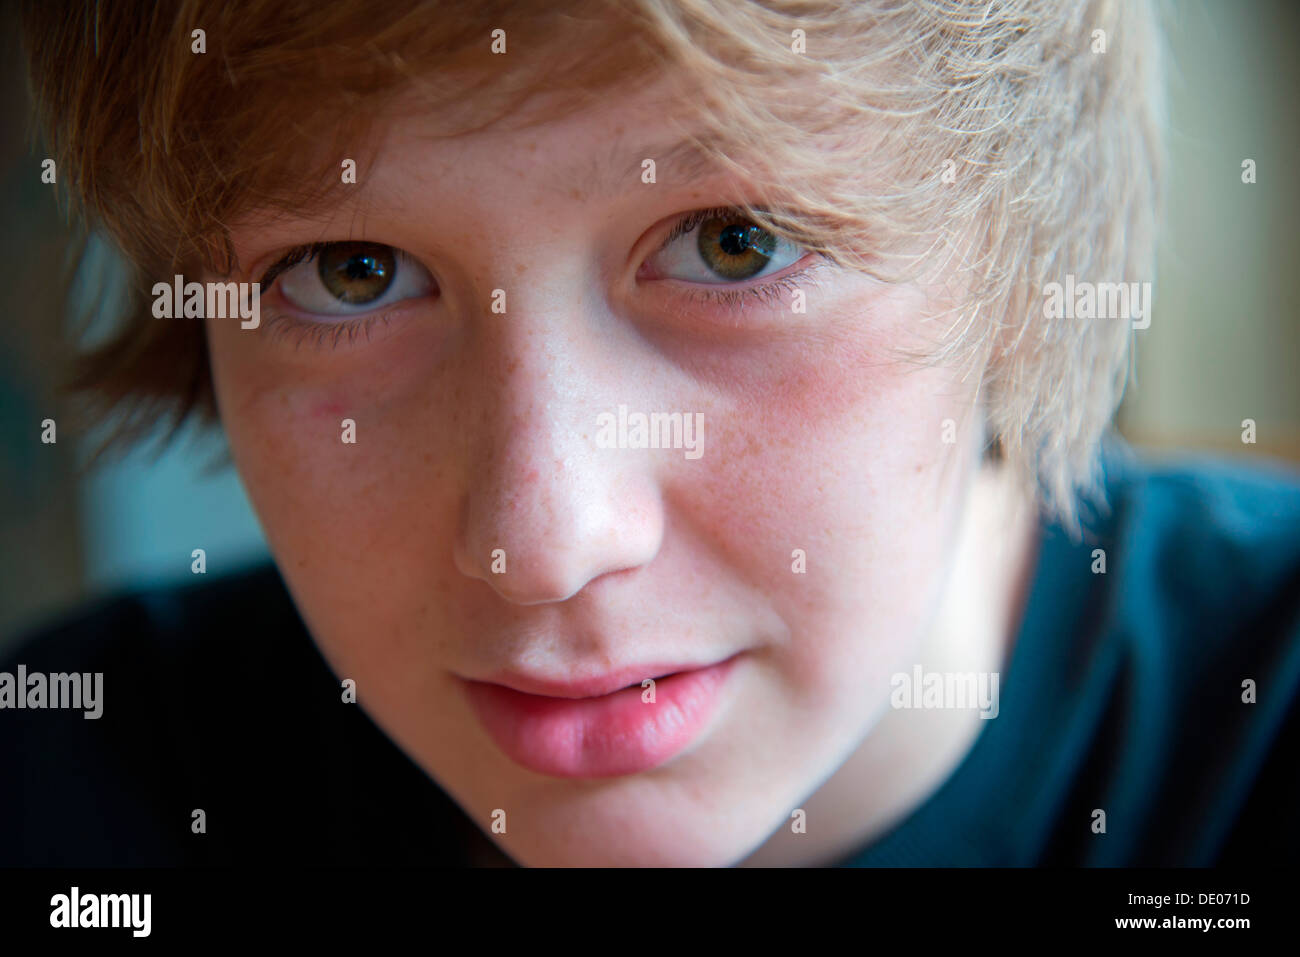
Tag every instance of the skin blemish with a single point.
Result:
(329, 407)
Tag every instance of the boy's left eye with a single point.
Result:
(349, 278)
(719, 247)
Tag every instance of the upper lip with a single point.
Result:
(593, 687)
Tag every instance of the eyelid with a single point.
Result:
(296, 255)
(279, 326)
(735, 297)
(690, 220)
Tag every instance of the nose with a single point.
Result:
(545, 510)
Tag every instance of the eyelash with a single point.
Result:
(282, 327)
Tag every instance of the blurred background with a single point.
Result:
(1223, 346)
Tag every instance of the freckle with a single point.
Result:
(427, 458)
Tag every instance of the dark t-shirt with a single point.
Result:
(1126, 691)
(1124, 694)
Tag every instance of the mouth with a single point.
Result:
(594, 687)
(614, 724)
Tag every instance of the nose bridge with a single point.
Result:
(531, 435)
(545, 509)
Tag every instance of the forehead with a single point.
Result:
(596, 141)
(592, 148)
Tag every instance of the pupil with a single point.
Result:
(362, 267)
(734, 240)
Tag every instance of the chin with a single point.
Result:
(653, 831)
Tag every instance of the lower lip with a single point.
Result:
(612, 735)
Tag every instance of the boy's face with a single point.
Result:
(478, 430)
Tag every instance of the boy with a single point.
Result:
(667, 448)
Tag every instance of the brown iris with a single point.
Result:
(357, 273)
(735, 248)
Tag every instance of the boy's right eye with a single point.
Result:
(348, 278)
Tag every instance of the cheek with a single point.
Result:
(326, 450)
(315, 432)
(834, 491)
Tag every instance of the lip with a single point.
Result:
(594, 687)
(599, 727)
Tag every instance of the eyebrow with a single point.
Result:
(676, 164)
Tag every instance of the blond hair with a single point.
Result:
(901, 138)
